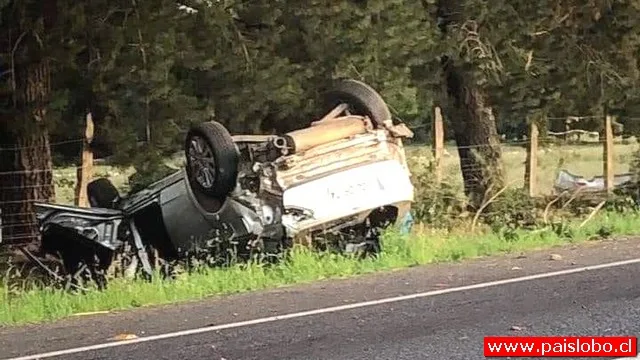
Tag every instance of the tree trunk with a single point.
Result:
(476, 135)
(25, 160)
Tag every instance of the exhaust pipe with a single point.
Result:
(322, 133)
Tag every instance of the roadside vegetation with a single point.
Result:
(444, 231)
(23, 302)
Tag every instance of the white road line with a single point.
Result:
(323, 311)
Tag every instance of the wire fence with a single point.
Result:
(17, 215)
(585, 160)
(564, 158)
(9, 147)
(557, 154)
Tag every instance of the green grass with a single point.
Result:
(422, 247)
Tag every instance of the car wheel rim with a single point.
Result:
(202, 162)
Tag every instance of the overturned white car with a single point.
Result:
(339, 180)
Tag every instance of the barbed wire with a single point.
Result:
(70, 169)
(514, 143)
(12, 240)
(8, 147)
(8, 202)
(69, 173)
(503, 145)
(576, 117)
(17, 214)
(19, 187)
(585, 117)
(19, 224)
(551, 118)
(12, 222)
(412, 150)
(435, 195)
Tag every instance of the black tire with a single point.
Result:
(225, 158)
(102, 194)
(361, 98)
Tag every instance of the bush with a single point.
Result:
(438, 205)
(514, 209)
(150, 167)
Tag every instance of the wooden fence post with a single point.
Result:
(438, 142)
(531, 171)
(608, 154)
(85, 171)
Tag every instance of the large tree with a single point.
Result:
(30, 32)
(523, 60)
(468, 62)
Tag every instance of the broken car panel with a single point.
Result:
(568, 182)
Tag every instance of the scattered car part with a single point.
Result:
(568, 182)
(322, 133)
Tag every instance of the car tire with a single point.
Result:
(102, 194)
(213, 141)
(361, 98)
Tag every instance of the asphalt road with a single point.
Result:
(445, 326)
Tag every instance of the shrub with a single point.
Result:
(514, 209)
(438, 205)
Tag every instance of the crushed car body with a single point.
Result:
(343, 177)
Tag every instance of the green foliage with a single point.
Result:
(629, 195)
(439, 205)
(514, 209)
(147, 70)
(150, 167)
